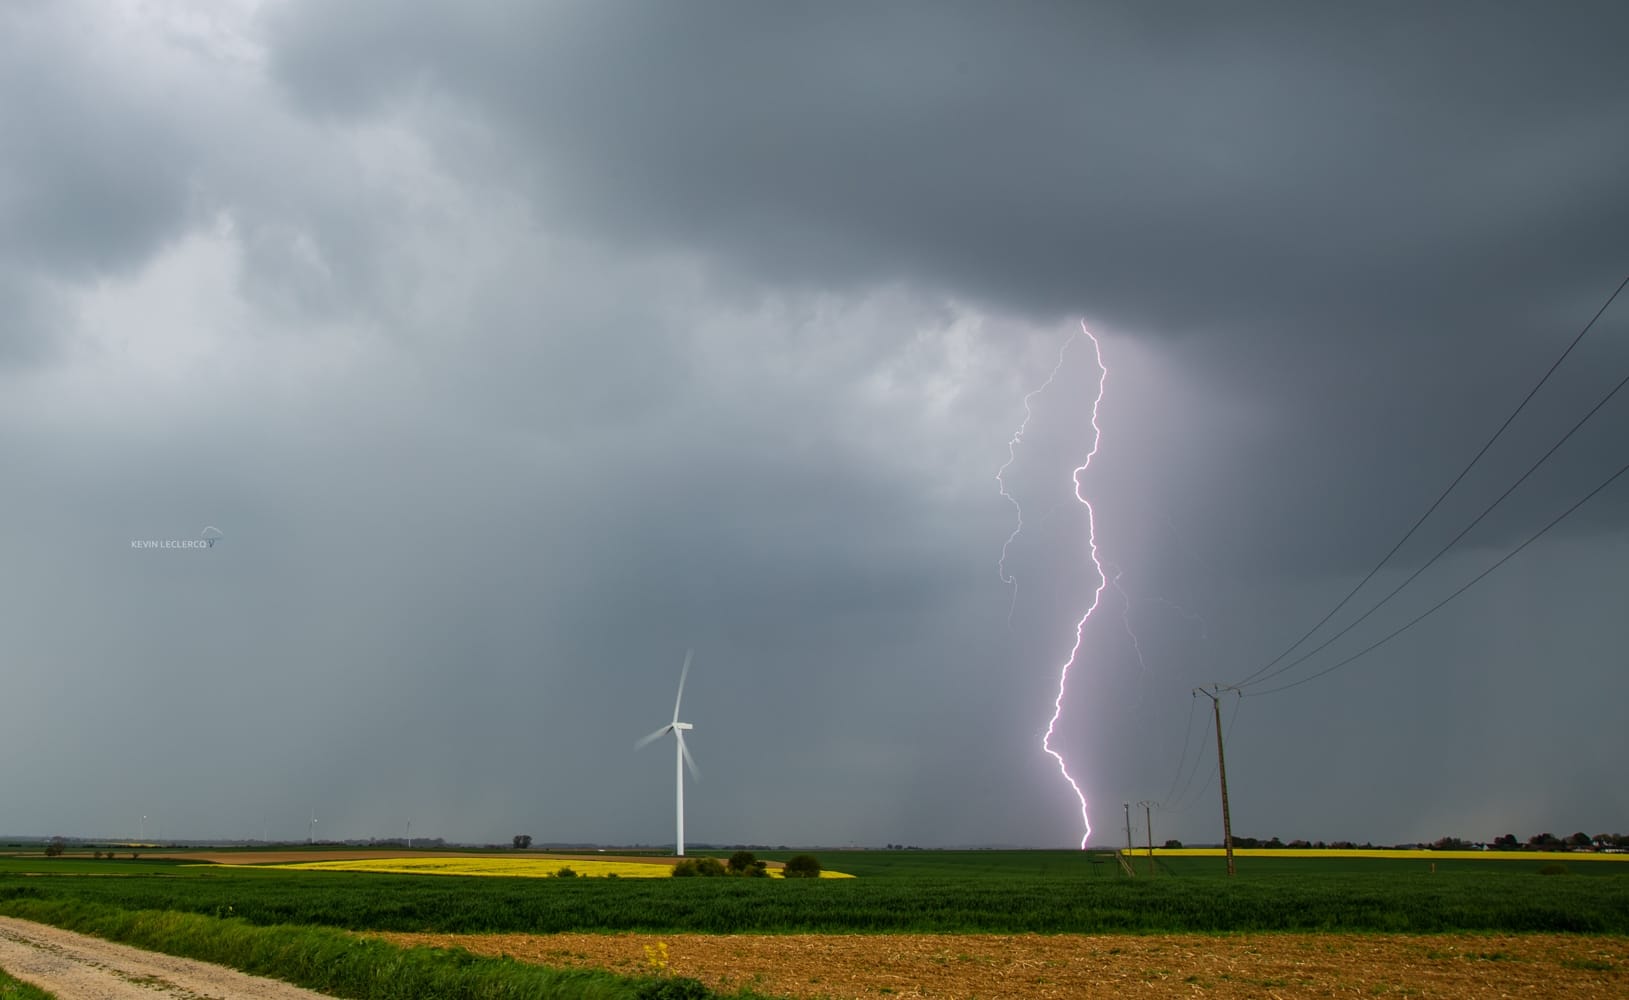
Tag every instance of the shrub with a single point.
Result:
(565, 872)
(676, 988)
(802, 866)
(705, 867)
(741, 861)
(55, 848)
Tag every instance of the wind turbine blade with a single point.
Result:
(682, 674)
(653, 737)
(689, 760)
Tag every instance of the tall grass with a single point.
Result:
(334, 962)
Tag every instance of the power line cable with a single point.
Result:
(1444, 495)
(1438, 606)
(1181, 800)
(1455, 541)
(1187, 737)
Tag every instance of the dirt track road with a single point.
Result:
(77, 967)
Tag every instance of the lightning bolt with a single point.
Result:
(1001, 482)
(1097, 595)
(1125, 618)
(1091, 547)
(1202, 628)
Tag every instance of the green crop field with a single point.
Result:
(962, 864)
(982, 891)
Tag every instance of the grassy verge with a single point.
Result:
(16, 989)
(334, 962)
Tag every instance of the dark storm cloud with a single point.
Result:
(97, 170)
(1183, 169)
(1358, 214)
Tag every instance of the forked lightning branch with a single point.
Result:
(1048, 741)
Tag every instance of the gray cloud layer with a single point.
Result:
(515, 349)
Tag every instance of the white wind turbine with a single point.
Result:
(682, 753)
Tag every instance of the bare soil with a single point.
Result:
(1010, 967)
(80, 967)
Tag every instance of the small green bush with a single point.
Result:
(565, 872)
(676, 988)
(802, 866)
(704, 867)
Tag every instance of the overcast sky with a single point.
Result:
(512, 349)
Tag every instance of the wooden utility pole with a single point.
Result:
(1148, 819)
(1215, 697)
(1125, 859)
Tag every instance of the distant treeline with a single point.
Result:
(1504, 842)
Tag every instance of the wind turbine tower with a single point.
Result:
(681, 756)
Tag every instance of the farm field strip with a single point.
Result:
(522, 867)
(1011, 967)
(284, 858)
(1395, 903)
(1378, 854)
(512, 867)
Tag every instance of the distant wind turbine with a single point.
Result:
(681, 756)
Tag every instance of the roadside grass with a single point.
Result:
(16, 989)
(335, 962)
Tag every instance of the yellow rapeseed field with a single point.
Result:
(521, 867)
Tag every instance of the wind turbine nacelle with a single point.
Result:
(683, 725)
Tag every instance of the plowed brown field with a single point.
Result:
(1024, 967)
